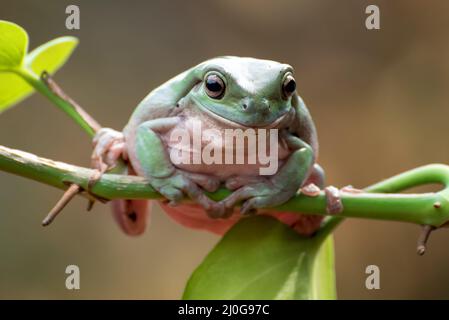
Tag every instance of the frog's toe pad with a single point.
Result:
(311, 190)
(333, 200)
(249, 207)
(217, 210)
(173, 195)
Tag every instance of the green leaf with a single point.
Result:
(49, 57)
(324, 282)
(13, 89)
(261, 258)
(13, 45)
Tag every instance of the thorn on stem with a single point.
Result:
(70, 193)
(96, 176)
(423, 237)
(90, 205)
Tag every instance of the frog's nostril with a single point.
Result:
(244, 106)
(265, 108)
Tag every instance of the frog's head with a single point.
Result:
(245, 91)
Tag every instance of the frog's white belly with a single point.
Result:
(203, 145)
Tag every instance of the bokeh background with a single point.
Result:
(379, 100)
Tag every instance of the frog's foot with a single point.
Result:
(236, 182)
(109, 146)
(178, 184)
(333, 200)
(208, 183)
(351, 189)
(258, 195)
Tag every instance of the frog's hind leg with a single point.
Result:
(131, 215)
(193, 216)
(303, 224)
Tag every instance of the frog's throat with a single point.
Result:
(275, 124)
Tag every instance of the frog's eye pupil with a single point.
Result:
(215, 86)
(289, 86)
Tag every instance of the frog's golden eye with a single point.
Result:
(288, 85)
(215, 86)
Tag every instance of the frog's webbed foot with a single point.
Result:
(180, 183)
(208, 183)
(270, 191)
(260, 194)
(237, 182)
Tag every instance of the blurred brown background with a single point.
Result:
(378, 98)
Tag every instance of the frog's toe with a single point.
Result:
(310, 190)
(217, 211)
(172, 194)
(249, 207)
(193, 191)
(237, 196)
(115, 152)
(210, 184)
(237, 182)
(257, 196)
(213, 209)
(174, 188)
(333, 200)
(108, 147)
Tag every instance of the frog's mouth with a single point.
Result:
(276, 123)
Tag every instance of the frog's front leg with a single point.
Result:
(154, 163)
(108, 148)
(282, 186)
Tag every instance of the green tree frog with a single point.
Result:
(221, 94)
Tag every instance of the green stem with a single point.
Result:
(427, 202)
(426, 208)
(65, 105)
(375, 203)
